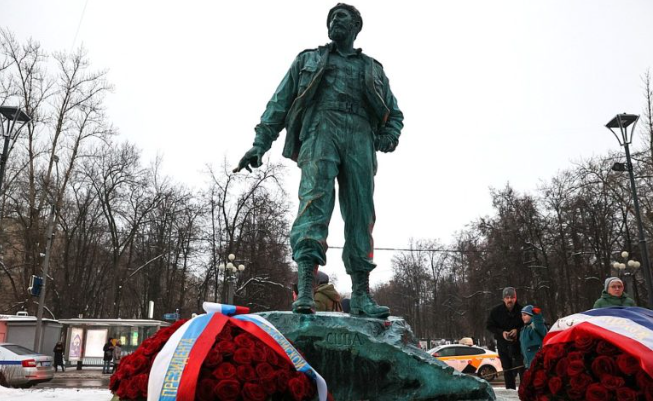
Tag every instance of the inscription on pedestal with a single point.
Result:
(348, 339)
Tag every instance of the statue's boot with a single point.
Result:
(304, 302)
(362, 302)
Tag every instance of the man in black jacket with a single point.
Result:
(504, 322)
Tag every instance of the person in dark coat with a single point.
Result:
(58, 356)
(504, 322)
(108, 356)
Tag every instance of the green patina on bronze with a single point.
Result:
(338, 110)
(373, 359)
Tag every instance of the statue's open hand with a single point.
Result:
(253, 157)
(385, 143)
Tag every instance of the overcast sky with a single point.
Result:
(492, 91)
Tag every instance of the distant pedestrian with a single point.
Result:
(58, 356)
(504, 322)
(108, 356)
(117, 354)
(613, 294)
(327, 298)
(532, 334)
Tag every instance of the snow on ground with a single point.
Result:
(10, 394)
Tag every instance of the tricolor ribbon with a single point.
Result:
(176, 368)
(628, 328)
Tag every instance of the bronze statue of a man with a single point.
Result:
(336, 105)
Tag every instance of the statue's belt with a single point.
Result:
(347, 107)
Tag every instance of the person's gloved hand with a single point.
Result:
(385, 143)
(253, 157)
(537, 311)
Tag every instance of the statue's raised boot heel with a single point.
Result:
(304, 303)
(361, 302)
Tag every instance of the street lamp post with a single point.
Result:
(628, 269)
(622, 122)
(38, 341)
(229, 273)
(11, 115)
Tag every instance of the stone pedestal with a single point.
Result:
(374, 359)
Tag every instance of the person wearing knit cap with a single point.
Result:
(532, 334)
(613, 294)
(505, 322)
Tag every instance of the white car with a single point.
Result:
(469, 359)
(22, 367)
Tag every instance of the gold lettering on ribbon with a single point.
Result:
(176, 366)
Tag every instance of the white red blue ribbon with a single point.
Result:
(629, 328)
(175, 370)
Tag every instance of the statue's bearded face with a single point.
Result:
(342, 25)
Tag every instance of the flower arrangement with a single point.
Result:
(239, 366)
(587, 368)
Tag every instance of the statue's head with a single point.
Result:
(344, 20)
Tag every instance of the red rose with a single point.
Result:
(643, 379)
(527, 377)
(552, 353)
(259, 355)
(205, 389)
(603, 365)
(584, 343)
(555, 384)
(540, 379)
(575, 367)
(296, 387)
(648, 392)
(114, 382)
(628, 364)
(153, 344)
(246, 373)
(132, 391)
(273, 359)
(543, 397)
(561, 367)
(152, 358)
(140, 382)
(282, 377)
(140, 363)
(269, 385)
(309, 386)
(556, 351)
(606, 348)
(213, 359)
(626, 394)
(225, 334)
(575, 356)
(243, 356)
(254, 392)
(580, 382)
(225, 371)
(227, 390)
(612, 382)
(596, 392)
(264, 370)
(244, 340)
(226, 347)
(575, 394)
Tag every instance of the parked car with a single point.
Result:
(469, 359)
(22, 367)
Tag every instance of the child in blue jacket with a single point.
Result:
(532, 333)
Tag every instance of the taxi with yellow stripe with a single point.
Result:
(469, 359)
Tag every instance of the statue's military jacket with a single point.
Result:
(291, 104)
